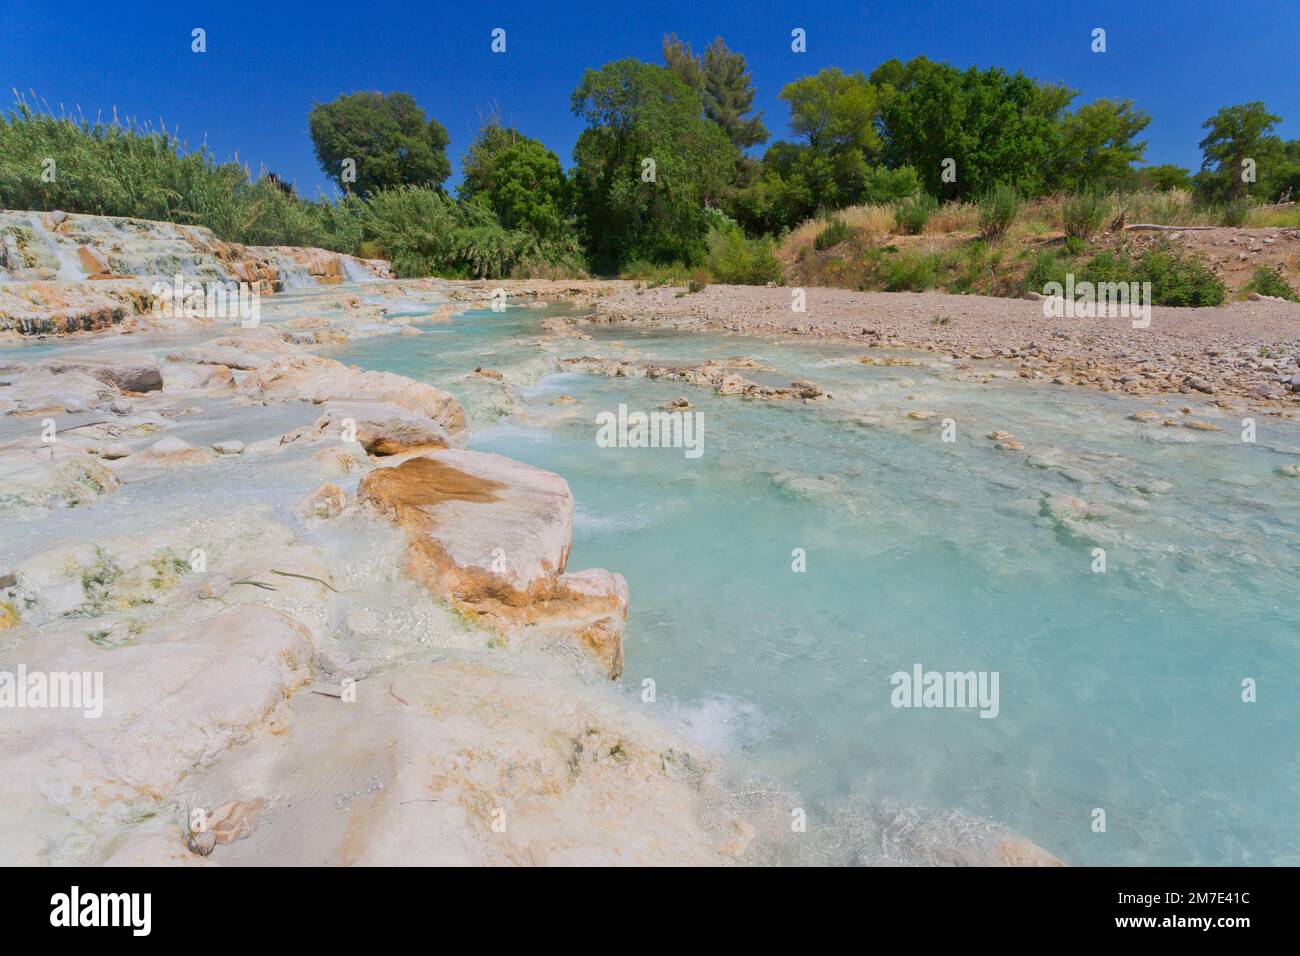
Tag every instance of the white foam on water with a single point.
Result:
(354, 271)
(68, 262)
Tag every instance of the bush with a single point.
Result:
(425, 232)
(1271, 282)
(732, 258)
(883, 186)
(998, 210)
(1177, 279)
(655, 274)
(912, 273)
(1082, 215)
(911, 215)
(1047, 267)
(835, 232)
(699, 281)
(1235, 212)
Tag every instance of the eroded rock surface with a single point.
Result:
(492, 536)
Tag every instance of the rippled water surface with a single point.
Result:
(1119, 690)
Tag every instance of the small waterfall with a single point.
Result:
(354, 271)
(292, 274)
(69, 265)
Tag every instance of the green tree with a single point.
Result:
(646, 165)
(681, 59)
(1165, 177)
(1236, 133)
(729, 96)
(834, 111)
(724, 83)
(995, 126)
(1099, 145)
(385, 135)
(519, 179)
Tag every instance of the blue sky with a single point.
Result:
(267, 62)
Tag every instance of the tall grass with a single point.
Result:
(134, 170)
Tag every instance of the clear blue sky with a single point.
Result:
(267, 62)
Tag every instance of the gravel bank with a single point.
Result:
(1247, 350)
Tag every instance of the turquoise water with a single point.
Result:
(1118, 690)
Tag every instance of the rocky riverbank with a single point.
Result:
(1248, 351)
(261, 607)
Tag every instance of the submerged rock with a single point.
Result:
(327, 501)
(172, 451)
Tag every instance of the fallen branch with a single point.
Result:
(256, 584)
(305, 577)
(1151, 225)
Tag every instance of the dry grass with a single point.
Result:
(954, 217)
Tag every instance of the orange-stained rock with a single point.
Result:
(382, 428)
(492, 536)
(327, 501)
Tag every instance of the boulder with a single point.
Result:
(327, 501)
(137, 373)
(235, 358)
(182, 377)
(456, 763)
(320, 380)
(382, 428)
(492, 536)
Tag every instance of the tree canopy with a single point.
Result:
(386, 136)
(996, 126)
(519, 179)
(646, 166)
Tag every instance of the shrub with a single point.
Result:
(911, 215)
(1271, 282)
(655, 274)
(699, 281)
(998, 210)
(1083, 214)
(1235, 212)
(835, 232)
(425, 232)
(912, 273)
(735, 259)
(1178, 279)
(883, 186)
(1047, 267)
